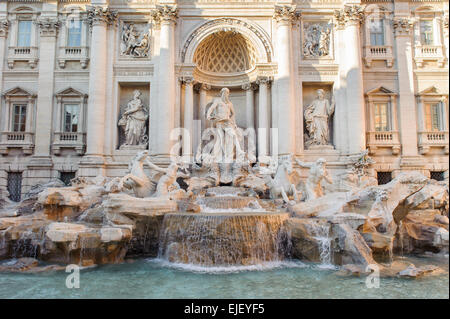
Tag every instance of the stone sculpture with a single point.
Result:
(137, 180)
(317, 115)
(134, 43)
(317, 173)
(133, 121)
(283, 185)
(317, 40)
(222, 116)
(225, 147)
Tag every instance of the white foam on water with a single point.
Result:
(227, 269)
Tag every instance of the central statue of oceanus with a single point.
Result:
(226, 147)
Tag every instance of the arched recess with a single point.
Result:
(256, 38)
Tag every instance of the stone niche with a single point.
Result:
(309, 95)
(126, 95)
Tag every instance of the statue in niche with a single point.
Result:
(317, 115)
(226, 146)
(222, 115)
(134, 43)
(317, 40)
(133, 121)
(312, 187)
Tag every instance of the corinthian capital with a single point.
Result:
(165, 13)
(101, 15)
(4, 24)
(48, 27)
(403, 26)
(349, 15)
(286, 13)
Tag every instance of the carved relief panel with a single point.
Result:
(316, 40)
(135, 40)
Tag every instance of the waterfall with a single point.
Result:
(222, 239)
(322, 234)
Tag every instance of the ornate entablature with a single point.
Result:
(403, 26)
(286, 14)
(349, 15)
(4, 25)
(48, 27)
(99, 15)
(165, 14)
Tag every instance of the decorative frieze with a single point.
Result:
(403, 26)
(286, 14)
(349, 15)
(48, 27)
(135, 40)
(100, 15)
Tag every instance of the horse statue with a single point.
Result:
(136, 179)
(283, 184)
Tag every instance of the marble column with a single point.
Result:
(204, 88)
(4, 24)
(407, 114)
(445, 37)
(188, 116)
(350, 19)
(48, 28)
(166, 17)
(283, 87)
(99, 18)
(263, 118)
(249, 105)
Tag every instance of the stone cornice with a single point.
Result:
(4, 25)
(165, 14)
(349, 15)
(403, 26)
(286, 14)
(101, 15)
(48, 27)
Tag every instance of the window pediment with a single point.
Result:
(70, 92)
(18, 92)
(380, 91)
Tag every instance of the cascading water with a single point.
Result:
(225, 239)
(231, 230)
(322, 235)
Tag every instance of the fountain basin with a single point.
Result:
(223, 238)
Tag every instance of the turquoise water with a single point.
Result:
(152, 278)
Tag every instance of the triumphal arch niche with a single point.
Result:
(235, 54)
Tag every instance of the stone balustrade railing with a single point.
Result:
(23, 140)
(380, 53)
(385, 139)
(428, 139)
(22, 54)
(73, 140)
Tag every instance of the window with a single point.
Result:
(14, 186)
(438, 176)
(382, 117)
(20, 118)
(66, 177)
(384, 177)
(376, 32)
(71, 117)
(432, 116)
(24, 34)
(74, 33)
(426, 32)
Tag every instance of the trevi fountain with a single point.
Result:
(226, 225)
